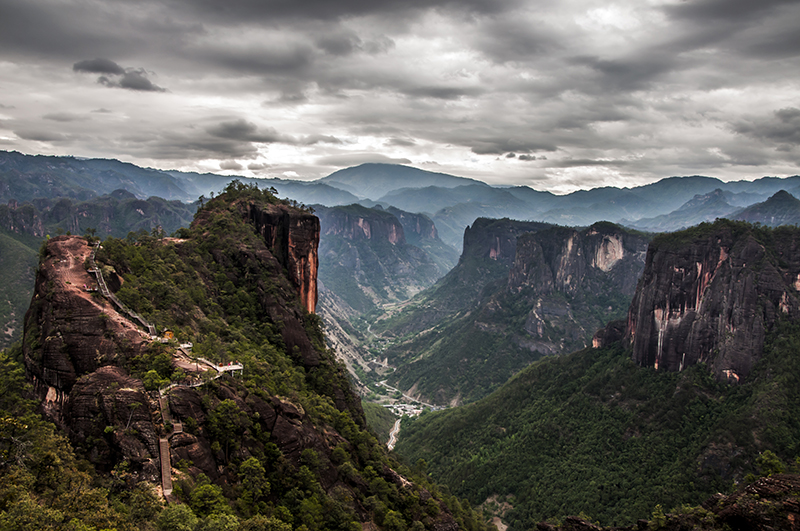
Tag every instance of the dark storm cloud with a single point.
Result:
(512, 38)
(244, 131)
(579, 163)
(773, 44)
(626, 74)
(230, 165)
(353, 159)
(247, 10)
(98, 66)
(116, 76)
(782, 128)
(241, 129)
(132, 80)
(441, 93)
(498, 146)
(731, 10)
(343, 43)
(311, 140)
(286, 59)
(39, 135)
(65, 117)
(191, 145)
(401, 142)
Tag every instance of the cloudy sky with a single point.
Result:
(555, 94)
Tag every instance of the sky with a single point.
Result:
(554, 94)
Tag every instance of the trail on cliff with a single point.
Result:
(284, 445)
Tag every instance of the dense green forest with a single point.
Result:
(211, 287)
(593, 433)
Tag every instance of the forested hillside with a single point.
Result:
(593, 433)
(684, 399)
(282, 446)
(497, 314)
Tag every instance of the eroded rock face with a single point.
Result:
(496, 238)
(114, 411)
(293, 238)
(22, 219)
(710, 295)
(355, 222)
(418, 225)
(564, 271)
(68, 331)
(566, 260)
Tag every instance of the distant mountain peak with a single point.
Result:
(374, 180)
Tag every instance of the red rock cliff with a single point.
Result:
(293, 238)
(710, 294)
(356, 222)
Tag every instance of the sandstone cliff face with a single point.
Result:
(293, 238)
(367, 260)
(597, 266)
(496, 238)
(73, 345)
(710, 294)
(69, 332)
(22, 219)
(416, 226)
(355, 222)
(564, 259)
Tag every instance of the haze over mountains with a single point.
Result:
(114, 198)
(440, 290)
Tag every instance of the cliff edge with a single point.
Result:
(709, 294)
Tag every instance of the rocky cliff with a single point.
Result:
(496, 239)
(367, 259)
(293, 239)
(284, 439)
(575, 281)
(74, 344)
(417, 227)
(709, 295)
(569, 260)
(515, 296)
(356, 222)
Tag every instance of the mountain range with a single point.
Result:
(688, 395)
(597, 369)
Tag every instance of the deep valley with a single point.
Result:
(186, 351)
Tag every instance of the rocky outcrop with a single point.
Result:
(711, 293)
(496, 238)
(293, 238)
(73, 346)
(367, 260)
(570, 276)
(68, 331)
(416, 226)
(355, 222)
(113, 410)
(569, 260)
(21, 219)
